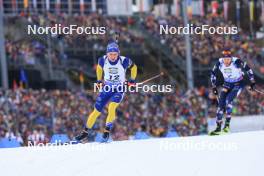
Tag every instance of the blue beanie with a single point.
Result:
(112, 47)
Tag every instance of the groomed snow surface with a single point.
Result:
(237, 154)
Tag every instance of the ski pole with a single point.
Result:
(259, 91)
(152, 78)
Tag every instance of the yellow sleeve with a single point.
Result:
(99, 72)
(133, 71)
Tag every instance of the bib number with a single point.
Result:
(114, 77)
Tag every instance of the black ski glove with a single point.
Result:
(215, 91)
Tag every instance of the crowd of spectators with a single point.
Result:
(112, 25)
(27, 50)
(23, 52)
(207, 47)
(35, 115)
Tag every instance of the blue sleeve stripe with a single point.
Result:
(101, 62)
(127, 63)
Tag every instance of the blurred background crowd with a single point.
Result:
(35, 115)
(205, 48)
(48, 74)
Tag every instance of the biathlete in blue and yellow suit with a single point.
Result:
(111, 72)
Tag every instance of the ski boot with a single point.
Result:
(84, 134)
(226, 128)
(106, 133)
(217, 131)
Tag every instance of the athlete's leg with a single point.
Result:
(229, 105)
(115, 101)
(92, 118)
(220, 111)
(221, 105)
(101, 101)
(111, 112)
